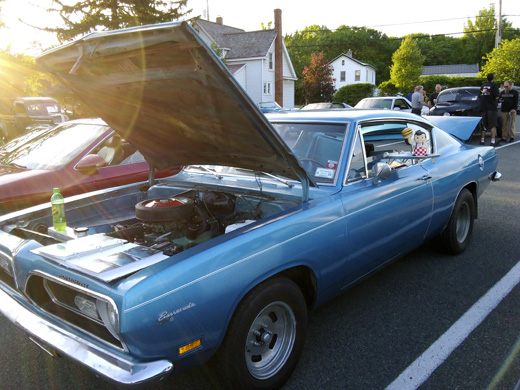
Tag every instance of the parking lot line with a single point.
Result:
(421, 369)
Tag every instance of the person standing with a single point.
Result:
(409, 96)
(488, 106)
(433, 96)
(509, 99)
(418, 100)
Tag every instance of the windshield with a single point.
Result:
(375, 103)
(317, 147)
(41, 107)
(458, 95)
(53, 148)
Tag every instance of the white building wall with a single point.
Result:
(240, 76)
(288, 94)
(367, 74)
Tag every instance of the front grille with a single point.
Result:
(58, 299)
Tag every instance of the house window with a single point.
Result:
(358, 75)
(342, 76)
(342, 62)
(267, 88)
(271, 62)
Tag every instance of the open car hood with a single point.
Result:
(461, 127)
(167, 93)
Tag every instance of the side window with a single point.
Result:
(396, 143)
(357, 170)
(400, 104)
(116, 151)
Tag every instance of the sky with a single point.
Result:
(392, 18)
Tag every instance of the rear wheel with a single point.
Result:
(265, 337)
(457, 235)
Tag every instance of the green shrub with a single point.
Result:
(387, 88)
(353, 93)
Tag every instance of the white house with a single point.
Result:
(348, 70)
(254, 59)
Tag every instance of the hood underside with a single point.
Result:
(167, 93)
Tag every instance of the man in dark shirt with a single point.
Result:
(509, 99)
(488, 106)
(433, 96)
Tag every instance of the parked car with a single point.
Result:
(326, 106)
(460, 101)
(398, 103)
(271, 217)
(270, 107)
(19, 115)
(76, 156)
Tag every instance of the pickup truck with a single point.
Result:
(21, 113)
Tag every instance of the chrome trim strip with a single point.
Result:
(100, 360)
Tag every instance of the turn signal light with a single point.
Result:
(190, 346)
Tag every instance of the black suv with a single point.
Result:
(462, 101)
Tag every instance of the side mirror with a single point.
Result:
(90, 163)
(381, 171)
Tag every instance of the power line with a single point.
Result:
(399, 24)
(394, 39)
(430, 21)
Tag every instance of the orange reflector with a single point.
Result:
(190, 346)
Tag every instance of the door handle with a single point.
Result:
(425, 177)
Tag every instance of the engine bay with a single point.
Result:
(173, 224)
(149, 231)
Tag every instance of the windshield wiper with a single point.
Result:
(286, 182)
(12, 164)
(212, 171)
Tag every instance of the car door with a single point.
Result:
(389, 217)
(403, 105)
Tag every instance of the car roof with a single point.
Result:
(454, 89)
(340, 116)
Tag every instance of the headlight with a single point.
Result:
(109, 316)
(86, 306)
(100, 311)
(446, 114)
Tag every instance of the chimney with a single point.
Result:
(278, 58)
(220, 20)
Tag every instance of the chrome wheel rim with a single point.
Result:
(270, 340)
(463, 222)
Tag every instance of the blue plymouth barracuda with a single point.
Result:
(270, 217)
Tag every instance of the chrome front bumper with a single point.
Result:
(101, 361)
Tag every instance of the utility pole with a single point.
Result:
(498, 38)
(207, 10)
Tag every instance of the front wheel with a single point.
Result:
(457, 235)
(265, 338)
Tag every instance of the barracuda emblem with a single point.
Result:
(73, 281)
(166, 316)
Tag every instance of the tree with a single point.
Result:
(407, 62)
(504, 61)
(479, 37)
(87, 16)
(318, 83)
(1, 16)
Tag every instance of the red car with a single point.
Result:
(76, 156)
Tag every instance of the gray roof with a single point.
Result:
(353, 59)
(242, 44)
(450, 69)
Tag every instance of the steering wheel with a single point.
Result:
(309, 163)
